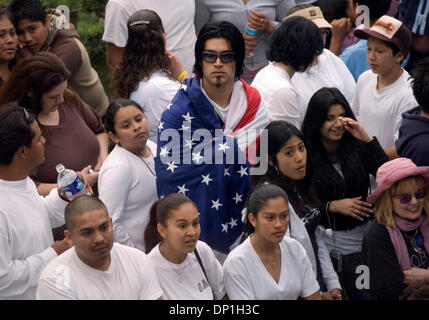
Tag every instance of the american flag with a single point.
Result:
(198, 157)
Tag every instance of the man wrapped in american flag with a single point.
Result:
(208, 133)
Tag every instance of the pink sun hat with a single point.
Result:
(393, 171)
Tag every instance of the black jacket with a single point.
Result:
(413, 141)
(329, 184)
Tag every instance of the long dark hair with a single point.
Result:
(159, 213)
(279, 133)
(317, 111)
(144, 52)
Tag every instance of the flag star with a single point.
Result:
(184, 127)
(162, 196)
(226, 173)
(169, 106)
(237, 198)
(182, 189)
(164, 152)
(189, 143)
(197, 157)
(171, 166)
(161, 126)
(223, 147)
(233, 222)
(188, 117)
(184, 87)
(225, 227)
(206, 179)
(216, 204)
(242, 171)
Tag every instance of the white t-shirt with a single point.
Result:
(246, 277)
(380, 111)
(154, 95)
(330, 71)
(26, 222)
(127, 186)
(279, 95)
(129, 277)
(186, 280)
(177, 18)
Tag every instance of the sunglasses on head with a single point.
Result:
(225, 56)
(27, 116)
(406, 198)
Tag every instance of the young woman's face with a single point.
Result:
(52, 99)
(332, 129)
(182, 229)
(409, 203)
(8, 39)
(131, 129)
(272, 220)
(292, 159)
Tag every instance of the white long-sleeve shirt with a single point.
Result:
(127, 186)
(26, 222)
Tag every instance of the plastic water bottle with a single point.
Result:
(248, 59)
(69, 182)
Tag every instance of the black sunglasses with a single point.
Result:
(225, 56)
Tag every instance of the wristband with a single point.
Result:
(182, 76)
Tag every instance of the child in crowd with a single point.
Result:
(127, 181)
(186, 268)
(268, 265)
(40, 30)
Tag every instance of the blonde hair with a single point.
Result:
(384, 205)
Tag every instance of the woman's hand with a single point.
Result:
(340, 28)
(176, 67)
(356, 129)
(352, 207)
(415, 275)
(259, 21)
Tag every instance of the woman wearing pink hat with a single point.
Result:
(396, 245)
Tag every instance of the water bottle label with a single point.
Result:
(251, 32)
(73, 188)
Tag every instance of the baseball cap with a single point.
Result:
(390, 30)
(311, 13)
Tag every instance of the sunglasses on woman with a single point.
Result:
(406, 198)
(225, 56)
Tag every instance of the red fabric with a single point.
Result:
(253, 102)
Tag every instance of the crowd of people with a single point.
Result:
(261, 150)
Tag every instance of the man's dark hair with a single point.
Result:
(80, 206)
(420, 83)
(15, 131)
(296, 42)
(220, 30)
(27, 9)
(377, 8)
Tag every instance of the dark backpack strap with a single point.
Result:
(200, 262)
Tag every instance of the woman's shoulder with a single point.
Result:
(376, 232)
(239, 253)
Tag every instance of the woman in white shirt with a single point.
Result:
(127, 181)
(148, 72)
(185, 267)
(268, 265)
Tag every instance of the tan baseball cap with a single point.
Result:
(311, 13)
(390, 30)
